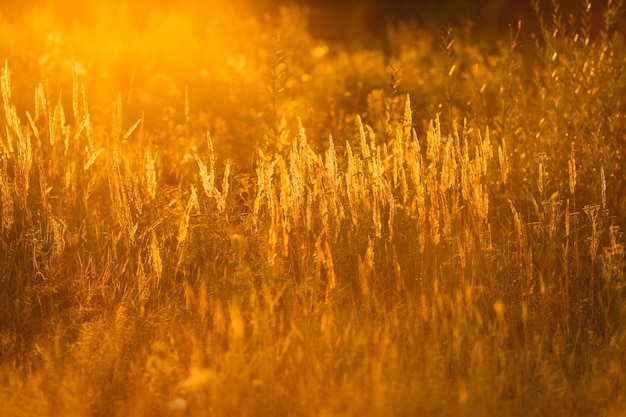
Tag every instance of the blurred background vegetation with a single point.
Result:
(334, 20)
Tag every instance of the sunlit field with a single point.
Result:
(223, 215)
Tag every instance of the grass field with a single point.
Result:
(228, 217)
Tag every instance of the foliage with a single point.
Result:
(271, 225)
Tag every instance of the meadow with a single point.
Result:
(230, 217)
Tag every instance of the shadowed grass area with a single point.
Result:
(235, 218)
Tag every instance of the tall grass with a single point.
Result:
(433, 229)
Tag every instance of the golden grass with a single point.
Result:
(425, 230)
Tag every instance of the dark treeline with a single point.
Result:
(342, 19)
